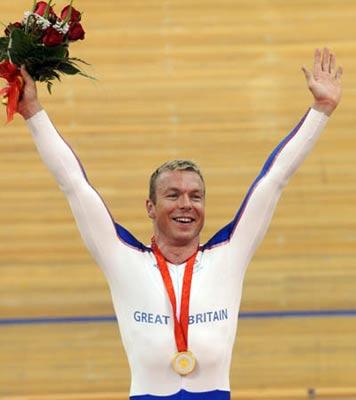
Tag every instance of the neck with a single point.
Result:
(177, 254)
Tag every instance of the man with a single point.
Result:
(177, 301)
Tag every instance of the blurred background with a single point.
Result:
(219, 82)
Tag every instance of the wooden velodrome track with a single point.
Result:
(218, 82)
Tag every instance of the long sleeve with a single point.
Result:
(92, 217)
(245, 232)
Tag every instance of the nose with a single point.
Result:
(184, 201)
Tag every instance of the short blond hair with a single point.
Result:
(175, 165)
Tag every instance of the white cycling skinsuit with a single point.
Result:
(142, 306)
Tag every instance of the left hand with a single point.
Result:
(325, 81)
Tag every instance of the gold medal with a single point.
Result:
(184, 362)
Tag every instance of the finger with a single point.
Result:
(26, 76)
(317, 61)
(338, 73)
(308, 75)
(325, 62)
(332, 65)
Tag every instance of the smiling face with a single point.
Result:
(179, 207)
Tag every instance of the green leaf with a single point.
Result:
(49, 87)
(4, 43)
(20, 46)
(47, 75)
(72, 59)
(67, 68)
(52, 52)
(79, 60)
(87, 76)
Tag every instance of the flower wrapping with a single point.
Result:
(11, 93)
(40, 42)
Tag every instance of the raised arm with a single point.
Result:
(250, 224)
(93, 219)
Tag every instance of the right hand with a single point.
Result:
(28, 104)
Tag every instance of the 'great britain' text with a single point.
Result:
(200, 318)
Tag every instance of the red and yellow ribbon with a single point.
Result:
(12, 92)
(181, 326)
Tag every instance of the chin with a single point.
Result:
(183, 240)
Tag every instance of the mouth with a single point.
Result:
(184, 220)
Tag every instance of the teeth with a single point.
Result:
(184, 220)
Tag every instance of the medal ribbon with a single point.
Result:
(181, 326)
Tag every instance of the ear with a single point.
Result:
(151, 209)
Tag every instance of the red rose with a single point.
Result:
(41, 8)
(52, 37)
(75, 15)
(76, 31)
(10, 27)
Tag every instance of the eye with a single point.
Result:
(196, 197)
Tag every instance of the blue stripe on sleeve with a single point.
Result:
(129, 239)
(226, 232)
(184, 395)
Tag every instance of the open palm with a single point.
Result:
(325, 81)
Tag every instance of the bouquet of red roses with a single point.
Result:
(40, 42)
